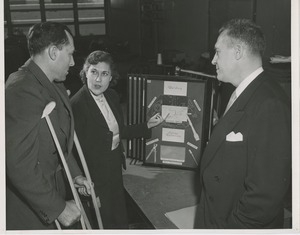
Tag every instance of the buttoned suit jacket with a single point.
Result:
(244, 183)
(92, 129)
(104, 164)
(36, 188)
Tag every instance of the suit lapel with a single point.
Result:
(227, 123)
(94, 109)
(225, 126)
(67, 107)
(113, 107)
(56, 93)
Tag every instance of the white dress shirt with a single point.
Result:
(247, 81)
(243, 85)
(109, 118)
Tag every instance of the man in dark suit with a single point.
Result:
(246, 166)
(35, 192)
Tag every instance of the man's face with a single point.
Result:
(224, 59)
(64, 60)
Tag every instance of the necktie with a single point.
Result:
(231, 101)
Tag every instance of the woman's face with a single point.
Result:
(98, 77)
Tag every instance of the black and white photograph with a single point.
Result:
(150, 117)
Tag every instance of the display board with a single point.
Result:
(185, 104)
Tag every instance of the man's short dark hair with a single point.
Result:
(246, 31)
(44, 34)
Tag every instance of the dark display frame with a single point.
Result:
(186, 103)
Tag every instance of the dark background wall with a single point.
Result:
(184, 31)
(191, 26)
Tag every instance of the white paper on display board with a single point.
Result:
(175, 88)
(173, 135)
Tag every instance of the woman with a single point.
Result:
(100, 126)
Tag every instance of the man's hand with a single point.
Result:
(84, 187)
(70, 215)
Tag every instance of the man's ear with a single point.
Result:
(239, 51)
(52, 52)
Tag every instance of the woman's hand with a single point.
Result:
(155, 120)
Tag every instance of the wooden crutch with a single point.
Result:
(88, 176)
(84, 220)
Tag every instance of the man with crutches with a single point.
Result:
(35, 182)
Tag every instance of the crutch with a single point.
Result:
(88, 176)
(84, 220)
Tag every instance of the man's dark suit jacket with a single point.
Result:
(245, 177)
(35, 181)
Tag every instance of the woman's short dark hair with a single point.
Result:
(44, 34)
(246, 31)
(94, 58)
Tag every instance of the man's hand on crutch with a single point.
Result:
(83, 186)
(70, 213)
